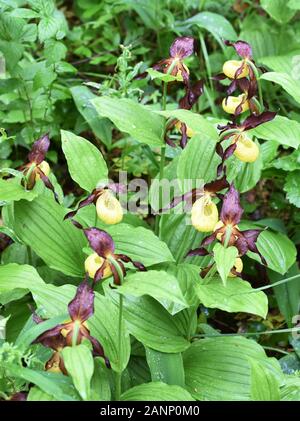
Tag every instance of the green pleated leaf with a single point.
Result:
(152, 325)
(140, 244)
(264, 384)
(287, 82)
(158, 284)
(100, 387)
(278, 250)
(198, 161)
(283, 130)
(279, 10)
(224, 259)
(85, 162)
(236, 296)
(292, 188)
(101, 127)
(130, 117)
(218, 368)
(36, 395)
(12, 190)
(40, 225)
(215, 23)
(156, 391)
(291, 390)
(166, 368)
(79, 363)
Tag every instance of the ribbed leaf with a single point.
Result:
(286, 81)
(40, 225)
(85, 162)
(218, 368)
(245, 175)
(160, 285)
(79, 363)
(224, 259)
(132, 118)
(12, 190)
(283, 130)
(166, 368)
(140, 244)
(264, 384)
(156, 391)
(236, 296)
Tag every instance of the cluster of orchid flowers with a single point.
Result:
(104, 262)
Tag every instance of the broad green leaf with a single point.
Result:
(215, 23)
(287, 294)
(264, 385)
(40, 225)
(292, 188)
(289, 162)
(85, 162)
(291, 390)
(12, 190)
(158, 284)
(236, 296)
(279, 10)
(283, 130)
(100, 387)
(282, 64)
(36, 395)
(53, 384)
(140, 244)
(198, 161)
(278, 250)
(135, 119)
(286, 81)
(156, 391)
(79, 363)
(218, 368)
(224, 259)
(165, 77)
(152, 325)
(101, 127)
(166, 368)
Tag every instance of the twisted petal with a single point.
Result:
(100, 241)
(231, 211)
(242, 48)
(182, 47)
(255, 120)
(89, 200)
(201, 251)
(192, 95)
(39, 150)
(82, 306)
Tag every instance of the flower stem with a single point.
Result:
(118, 375)
(162, 160)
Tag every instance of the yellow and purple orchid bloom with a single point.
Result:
(73, 331)
(236, 132)
(227, 230)
(104, 259)
(181, 48)
(37, 168)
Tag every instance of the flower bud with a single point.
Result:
(230, 68)
(45, 167)
(204, 214)
(246, 149)
(231, 103)
(189, 132)
(109, 209)
(238, 266)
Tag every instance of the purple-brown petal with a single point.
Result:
(82, 306)
(231, 211)
(89, 200)
(242, 48)
(52, 338)
(217, 185)
(184, 138)
(182, 47)
(255, 120)
(201, 251)
(39, 150)
(192, 95)
(100, 241)
(47, 183)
